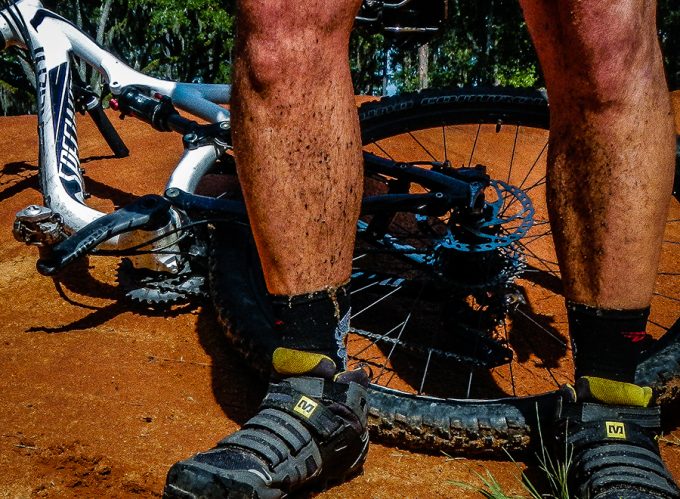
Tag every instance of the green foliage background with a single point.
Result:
(481, 43)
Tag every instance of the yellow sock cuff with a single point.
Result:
(290, 362)
(613, 392)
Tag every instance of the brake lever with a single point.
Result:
(147, 212)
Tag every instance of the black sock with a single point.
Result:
(315, 322)
(606, 343)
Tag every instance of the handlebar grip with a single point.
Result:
(107, 130)
(147, 212)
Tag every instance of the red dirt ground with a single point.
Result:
(99, 401)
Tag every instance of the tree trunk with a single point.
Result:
(103, 21)
(423, 66)
(95, 81)
(386, 61)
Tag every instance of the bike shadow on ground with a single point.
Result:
(82, 286)
(17, 177)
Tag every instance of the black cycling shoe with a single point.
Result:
(309, 431)
(614, 453)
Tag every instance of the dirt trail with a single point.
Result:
(99, 401)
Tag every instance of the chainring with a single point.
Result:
(157, 289)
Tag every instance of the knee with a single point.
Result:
(598, 50)
(283, 40)
(619, 53)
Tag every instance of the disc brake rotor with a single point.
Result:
(509, 214)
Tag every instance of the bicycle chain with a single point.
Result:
(421, 349)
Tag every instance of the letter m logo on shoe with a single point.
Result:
(305, 406)
(615, 429)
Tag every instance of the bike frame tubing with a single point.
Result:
(51, 41)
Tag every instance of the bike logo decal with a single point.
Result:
(615, 429)
(63, 120)
(305, 406)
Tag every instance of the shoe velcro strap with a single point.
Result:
(276, 437)
(289, 429)
(630, 476)
(610, 465)
(273, 450)
(585, 435)
(351, 394)
(309, 411)
(599, 457)
(644, 417)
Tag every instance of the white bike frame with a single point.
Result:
(51, 41)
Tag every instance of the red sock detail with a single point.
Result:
(634, 336)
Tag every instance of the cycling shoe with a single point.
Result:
(309, 431)
(613, 449)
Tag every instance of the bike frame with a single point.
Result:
(52, 41)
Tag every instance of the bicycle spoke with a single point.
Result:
(382, 149)
(381, 337)
(427, 151)
(672, 298)
(542, 328)
(374, 283)
(512, 155)
(550, 373)
(376, 302)
(394, 346)
(474, 145)
(531, 239)
(544, 261)
(539, 183)
(427, 366)
(531, 169)
(512, 376)
(661, 326)
(446, 151)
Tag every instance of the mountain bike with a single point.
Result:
(457, 306)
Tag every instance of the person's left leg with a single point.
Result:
(610, 167)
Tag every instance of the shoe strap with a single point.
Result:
(644, 417)
(308, 400)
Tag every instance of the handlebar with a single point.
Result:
(158, 112)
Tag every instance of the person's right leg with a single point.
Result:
(610, 171)
(298, 152)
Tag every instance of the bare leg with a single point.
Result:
(610, 168)
(610, 164)
(297, 138)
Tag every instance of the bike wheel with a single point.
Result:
(404, 309)
(437, 383)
